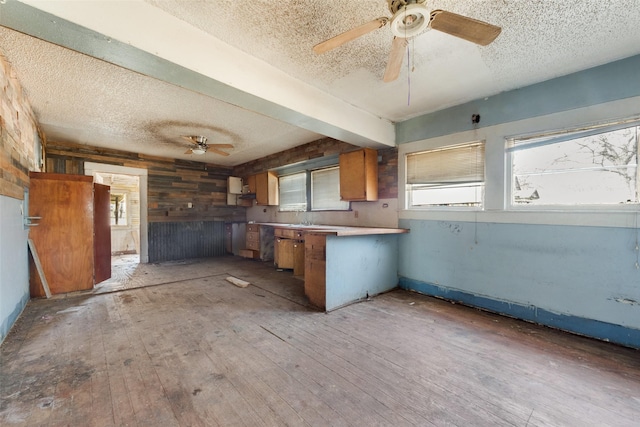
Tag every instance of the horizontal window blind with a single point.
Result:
(462, 163)
(293, 192)
(325, 190)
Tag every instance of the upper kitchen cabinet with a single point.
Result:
(266, 187)
(359, 175)
(251, 184)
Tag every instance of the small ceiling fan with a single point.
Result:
(202, 146)
(410, 18)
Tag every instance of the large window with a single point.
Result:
(589, 167)
(325, 190)
(449, 177)
(293, 192)
(322, 195)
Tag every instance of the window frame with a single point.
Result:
(127, 215)
(306, 191)
(553, 137)
(309, 190)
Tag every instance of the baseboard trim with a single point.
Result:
(609, 332)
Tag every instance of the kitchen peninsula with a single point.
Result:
(341, 264)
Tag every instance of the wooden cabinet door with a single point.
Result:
(64, 236)
(267, 189)
(284, 253)
(251, 183)
(101, 232)
(359, 175)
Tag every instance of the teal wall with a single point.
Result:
(14, 268)
(582, 279)
(609, 82)
(574, 270)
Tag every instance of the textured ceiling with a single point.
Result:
(82, 99)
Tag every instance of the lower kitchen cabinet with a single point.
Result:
(340, 270)
(283, 253)
(298, 258)
(289, 254)
(259, 240)
(315, 269)
(234, 237)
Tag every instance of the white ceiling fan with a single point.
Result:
(202, 146)
(410, 18)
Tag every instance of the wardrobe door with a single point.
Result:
(101, 232)
(63, 237)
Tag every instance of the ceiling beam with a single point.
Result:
(135, 35)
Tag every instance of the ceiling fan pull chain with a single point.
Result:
(413, 55)
(408, 79)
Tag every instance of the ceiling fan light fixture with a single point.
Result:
(198, 150)
(410, 20)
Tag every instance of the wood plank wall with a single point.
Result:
(19, 135)
(175, 231)
(387, 168)
(172, 184)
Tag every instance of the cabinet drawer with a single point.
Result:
(284, 232)
(253, 227)
(289, 233)
(255, 245)
(253, 236)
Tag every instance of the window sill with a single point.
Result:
(594, 218)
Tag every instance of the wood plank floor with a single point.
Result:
(187, 348)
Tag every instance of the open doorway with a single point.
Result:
(128, 210)
(124, 216)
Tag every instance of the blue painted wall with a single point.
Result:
(575, 270)
(585, 276)
(609, 82)
(14, 268)
(358, 266)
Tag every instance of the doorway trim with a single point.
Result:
(91, 168)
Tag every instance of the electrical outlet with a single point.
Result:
(355, 213)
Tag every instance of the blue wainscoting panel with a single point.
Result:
(577, 278)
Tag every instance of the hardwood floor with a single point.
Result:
(188, 348)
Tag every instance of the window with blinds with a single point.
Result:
(325, 190)
(449, 176)
(293, 192)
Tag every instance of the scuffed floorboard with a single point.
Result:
(186, 348)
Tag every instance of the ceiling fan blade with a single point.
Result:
(220, 152)
(469, 29)
(396, 56)
(191, 139)
(189, 151)
(220, 145)
(352, 34)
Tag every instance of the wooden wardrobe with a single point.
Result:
(73, 233)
